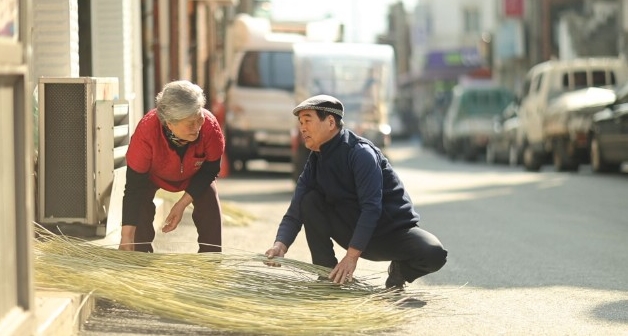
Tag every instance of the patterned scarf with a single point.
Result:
(173, 139)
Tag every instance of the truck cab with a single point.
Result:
(260, 91)
(360, 75)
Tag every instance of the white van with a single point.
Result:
(260, 92)
(547, 81)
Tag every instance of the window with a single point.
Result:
(471, 20)
(566, 80)
(525, 91)
(580, 80)
(267, 69)
(537, 83)
(583, 79)
(485, 102)
(602, 78)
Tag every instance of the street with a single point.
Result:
(529, 253)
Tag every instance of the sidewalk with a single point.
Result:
(58, 310)
(63, 313)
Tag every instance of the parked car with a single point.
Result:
(431, 122)
(502, 143)
(609, 135)
(545, 82)
(469, 119)
(567, 125)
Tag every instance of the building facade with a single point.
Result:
(16, 172)
(457, 40)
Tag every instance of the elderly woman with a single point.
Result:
(176, 147)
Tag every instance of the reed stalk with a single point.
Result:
(232, 292)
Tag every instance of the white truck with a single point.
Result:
(260, 89)
(547, 108)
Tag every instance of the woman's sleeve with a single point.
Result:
(203, 178)
(136, 186)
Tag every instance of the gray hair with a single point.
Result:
(179, 100)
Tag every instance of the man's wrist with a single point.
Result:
(282, 247)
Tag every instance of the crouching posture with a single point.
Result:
(349, 193)
(176, 147)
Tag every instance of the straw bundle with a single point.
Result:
(232, 215)
(225, 292)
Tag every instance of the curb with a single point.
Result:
(61, 313)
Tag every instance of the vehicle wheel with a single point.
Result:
(450, 150)
(513, 155)
(425, 143)
(490, 154)
(597, 159)
(237, 165)
(468, 152)
(563, 161)
(438, 145)
(531, 160)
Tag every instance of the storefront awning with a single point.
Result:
(449, 65)
(221, 2)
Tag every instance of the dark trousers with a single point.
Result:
(206, 216)
(417, 251)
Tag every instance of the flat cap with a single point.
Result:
(321, 103)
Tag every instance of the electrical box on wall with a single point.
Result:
(83, 137)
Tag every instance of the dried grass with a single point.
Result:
(232, 215)
(232, 292)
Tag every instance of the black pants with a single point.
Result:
(206, 216)
(417, 251)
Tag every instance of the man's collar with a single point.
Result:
(333, 142)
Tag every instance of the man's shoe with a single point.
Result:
(395, 278)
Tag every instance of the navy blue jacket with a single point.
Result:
(352, 173)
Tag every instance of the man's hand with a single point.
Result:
(127, 238)
(279, 249)
(343, 272)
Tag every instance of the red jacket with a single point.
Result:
(149, 151)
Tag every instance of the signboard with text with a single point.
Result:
(513, 8)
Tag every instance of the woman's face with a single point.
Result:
(188, 128)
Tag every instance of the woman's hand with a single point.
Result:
(176, 213)
(174, 218)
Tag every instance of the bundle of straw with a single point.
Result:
(232, 292)
(232, 215)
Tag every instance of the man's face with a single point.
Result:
(314, 131)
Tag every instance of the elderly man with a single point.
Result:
(349, 193)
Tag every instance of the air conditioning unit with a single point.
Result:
(83, 137)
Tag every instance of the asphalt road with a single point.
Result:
(529, 253)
